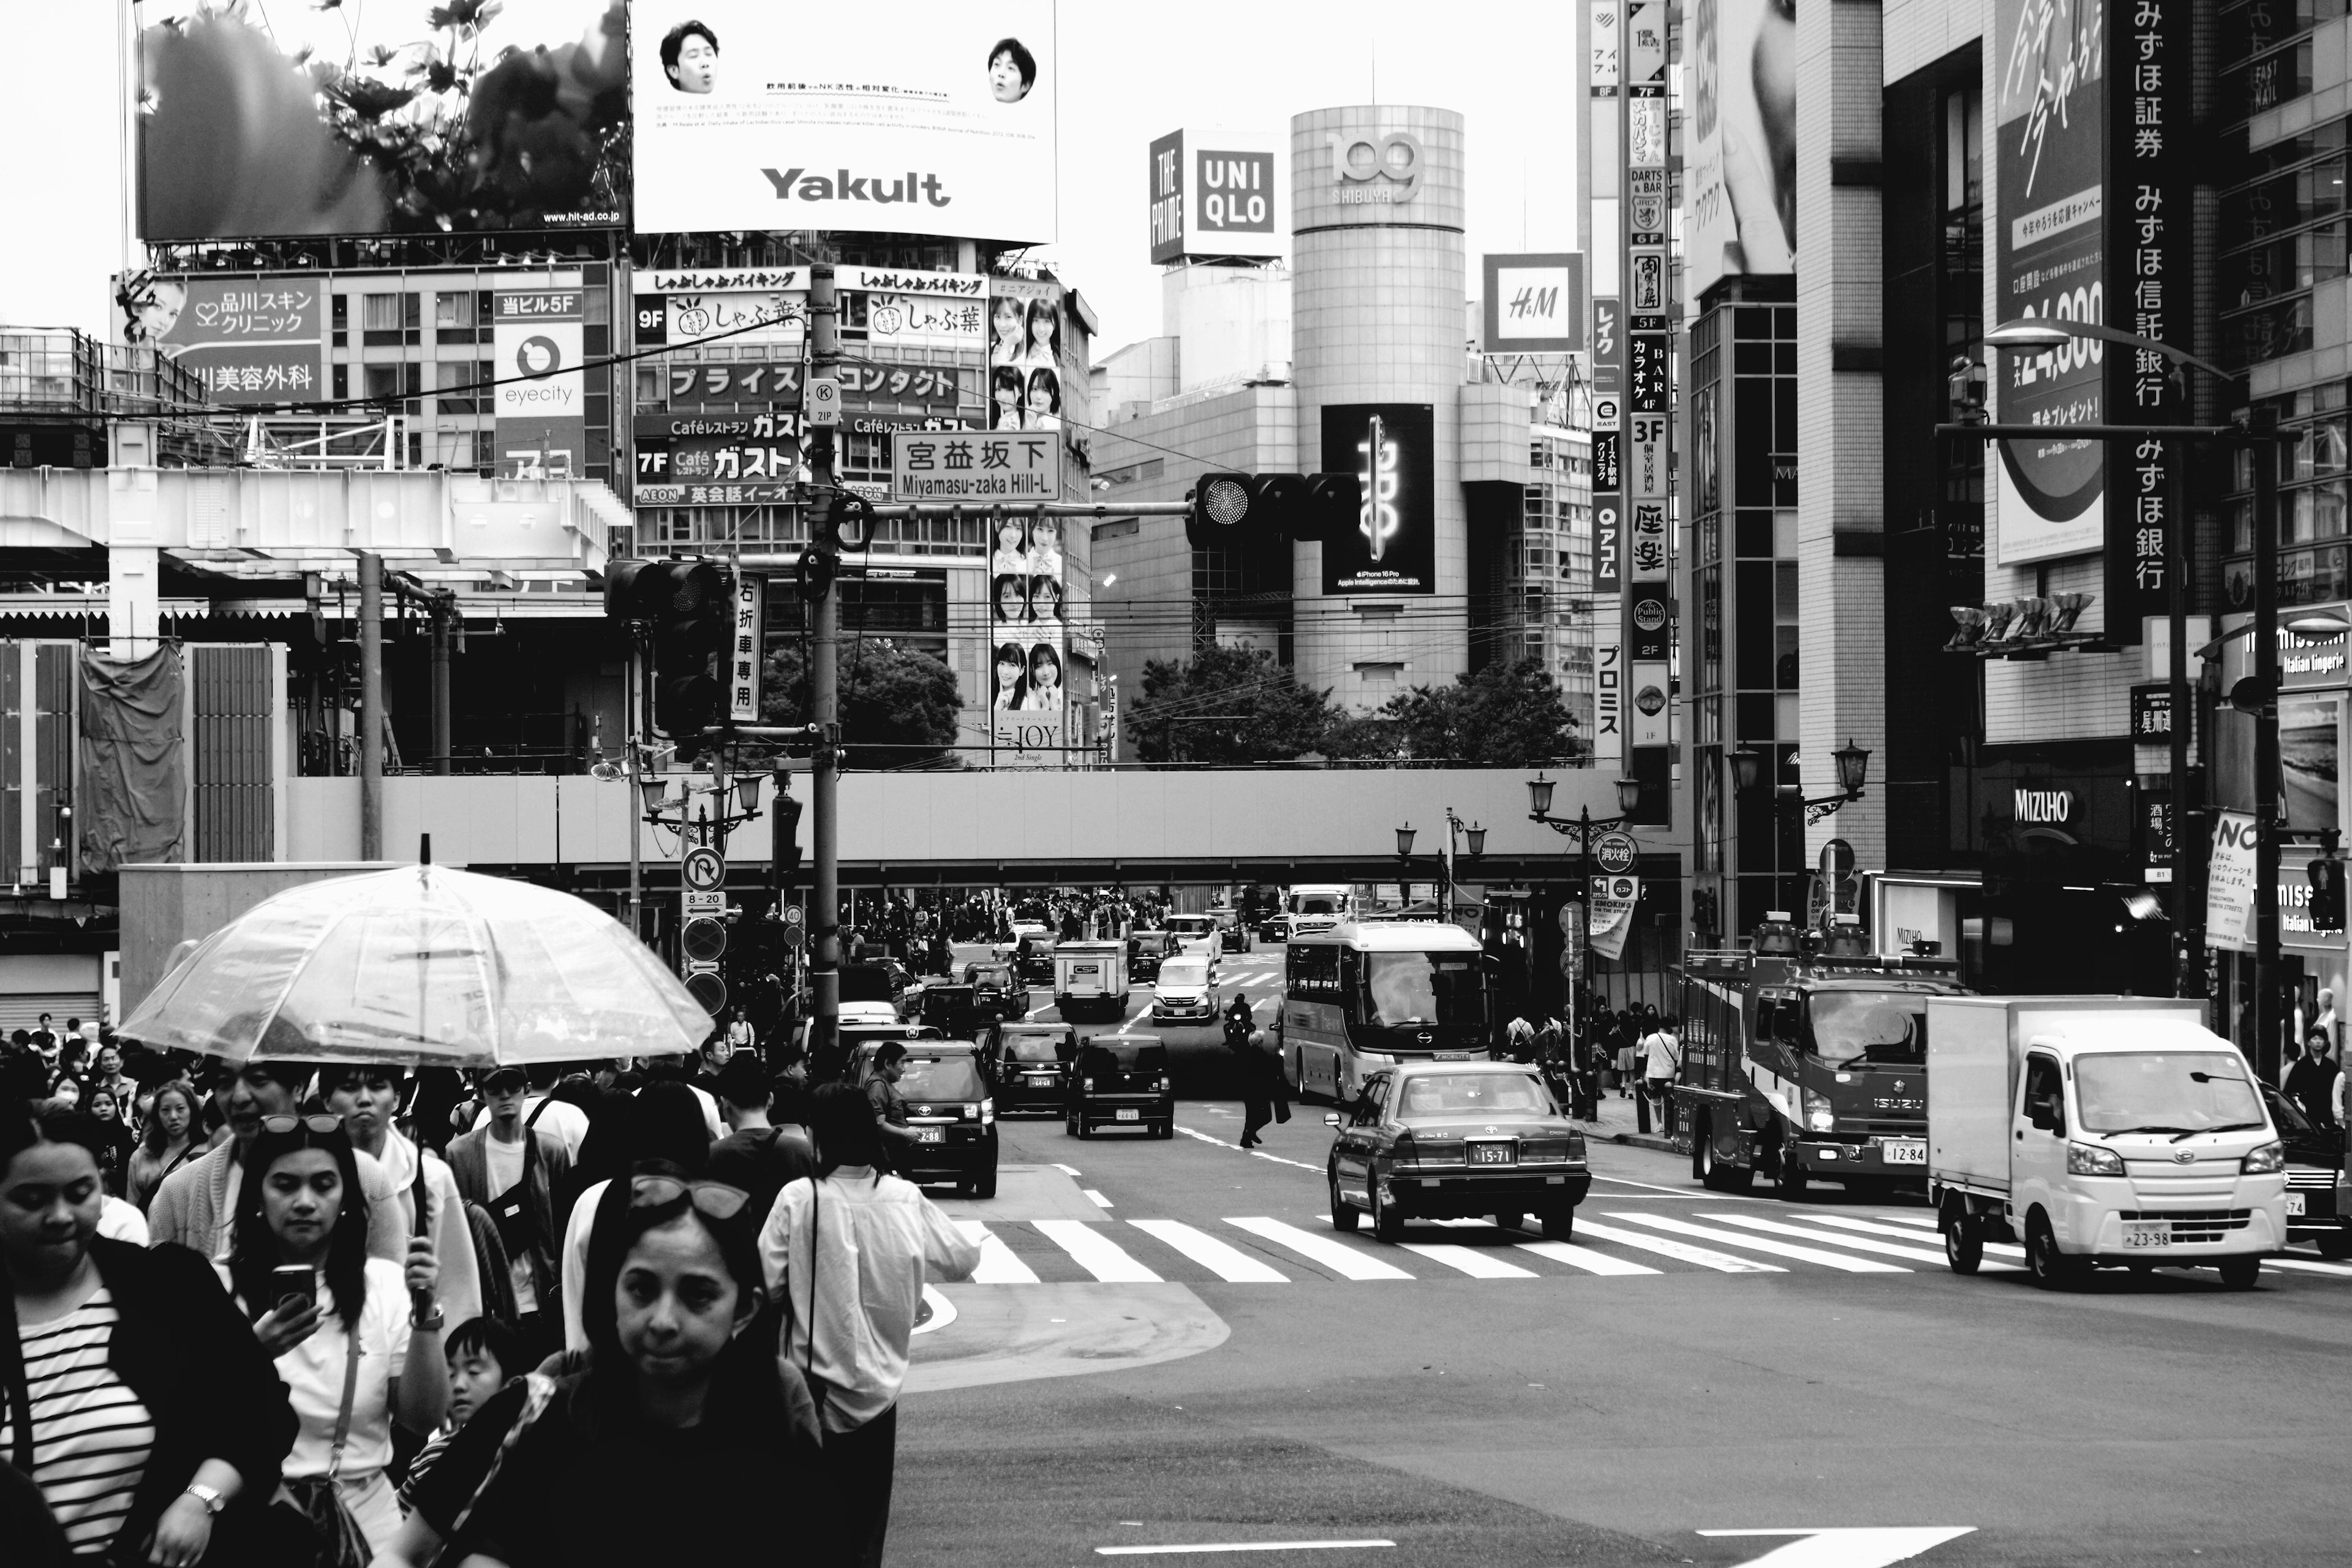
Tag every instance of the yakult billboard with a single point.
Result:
(926, 117)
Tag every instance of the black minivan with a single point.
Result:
(1121, 1084)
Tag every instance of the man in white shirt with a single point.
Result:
(516, 1172)
(848, 1256)
(562, 1120)
(367, 1098)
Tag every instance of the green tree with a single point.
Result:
(1227, 705)
(898, 707)
(1507, 715)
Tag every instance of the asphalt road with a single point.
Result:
(1169, 1347)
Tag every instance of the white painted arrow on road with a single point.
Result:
(1868, 1547)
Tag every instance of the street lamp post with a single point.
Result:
(1629, 798)
(2259, 429)
(1852, 774)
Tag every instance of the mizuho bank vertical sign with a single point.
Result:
(931, 117)
(1394, 547)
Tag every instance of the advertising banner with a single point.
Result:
(935, 117)
(1608, 349)
(1608, 681)
(744, 648)
(401, 118)
(1393, 549)
(1650, 722)
(912, 319)
(1035, 370)
(1025, 578)
(1218, 193)
(1534, 304)
(983, 466)
(1028, 706)
(1613, 902)
(1741, 211)
(894, 385)
(542, 420)
(2230, 883)
(1653, 611)
(764, 382)
(2310, 750)
(690, 462)
(746, 318)
(253, 341)
(2051, 125)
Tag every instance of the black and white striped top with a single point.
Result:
(91, 1435)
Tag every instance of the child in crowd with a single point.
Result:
(484, 1357)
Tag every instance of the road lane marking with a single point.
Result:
(1859, 1244)
(1678, 1191)
(1100, 1201)
(997, 1264)
(1469, 1260)
(1843, 1223)
(1722, 1262)
(1224, 1260)
(2273, 1260)
(1779, 1248)
(1340, 1259)
(1584, 1258)
(1094, 1252)
(943, 1311)
(1253, 1153)
(1870, 1546)
(1067, 1170)
(1242, 1546)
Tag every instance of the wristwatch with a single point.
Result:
(430, 1320)
(208, 1496)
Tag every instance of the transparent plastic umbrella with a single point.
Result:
(421, 964)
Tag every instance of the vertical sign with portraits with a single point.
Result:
(1028, 699)
(542, 394)
(1035, 378)
(1394, 547)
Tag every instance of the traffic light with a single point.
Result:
(686, 607)
(2327, 893)
(1228, 507)
(702, 943)
(786, 825)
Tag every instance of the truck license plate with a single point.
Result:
(1492, 1155)
(2294, 1203)
(1905, 1150)
(931, 1134)
(2156, 1233)
(1129, 1115)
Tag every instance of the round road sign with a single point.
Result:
(1615, 853)
(703, 870)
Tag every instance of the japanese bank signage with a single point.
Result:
(541, 402)
(253, 341)
(930, 116)
(1394, 547)
(1217, 193)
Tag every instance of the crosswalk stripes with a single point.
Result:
(1346, 1261)
(1859, 1244)
(997, 1264)
(1681, 1252)
(1777, 1249)
(1094, 1252)
(1226, 1261)
(1584, 1258)
(1469, 1260)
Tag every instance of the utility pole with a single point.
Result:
(2188, 925)
(370, 706)
(444, 608)
(824, 700)
(2261, 422)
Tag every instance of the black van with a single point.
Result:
(1121, 1083)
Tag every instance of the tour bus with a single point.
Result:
(1318, 906)
(1357, 998)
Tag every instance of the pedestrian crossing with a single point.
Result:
(1609, 1244)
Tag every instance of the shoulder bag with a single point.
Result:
(336, 1536)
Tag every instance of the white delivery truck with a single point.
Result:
(1090, 978)
(2099, 1131)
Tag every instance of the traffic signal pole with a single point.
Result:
(825, 705)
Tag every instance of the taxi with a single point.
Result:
(1451, 1140)
(950, 1111)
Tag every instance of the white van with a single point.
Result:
(2100, 1132)
(1090, 978)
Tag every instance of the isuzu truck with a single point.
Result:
(2100, 1132)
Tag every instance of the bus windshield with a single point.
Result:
(1403, 988)
(1843, 1028)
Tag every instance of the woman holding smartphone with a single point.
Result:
(342, 1327)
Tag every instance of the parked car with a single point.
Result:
(1121, 1084)
(1186, 991)
(997, 989)
(1452, 1140)
(1145, 950)
(2314, 1154)
(1029, 1065)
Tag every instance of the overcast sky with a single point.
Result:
(1129, 73)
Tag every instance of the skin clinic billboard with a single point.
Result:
(1393, 548)
(401, 117)
(927, 118)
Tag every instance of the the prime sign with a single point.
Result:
(1217, 193)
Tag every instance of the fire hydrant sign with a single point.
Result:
(1000, 465)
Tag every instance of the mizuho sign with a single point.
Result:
(2044, 806)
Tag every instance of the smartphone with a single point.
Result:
(293, 1286)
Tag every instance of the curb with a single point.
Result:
(1645, 1141)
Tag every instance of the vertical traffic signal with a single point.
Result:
(685, 606)
(702, 943)
(2327, 893)
(786, 827)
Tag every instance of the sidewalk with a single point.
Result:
(1618, 1123)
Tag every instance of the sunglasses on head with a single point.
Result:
(313, 1123)
(716, 1199)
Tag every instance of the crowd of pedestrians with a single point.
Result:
(352, 1315)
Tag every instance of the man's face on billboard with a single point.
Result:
(697, 64)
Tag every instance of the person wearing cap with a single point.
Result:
(196, 1205)
(367, 1098)
(565, 1122)
(514, 1171)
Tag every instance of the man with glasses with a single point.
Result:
(196, 1205)
(367, 1099)
(514, 1170)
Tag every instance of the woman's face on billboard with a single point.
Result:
(1008, 668)
(1008, 320)
(1008, 601)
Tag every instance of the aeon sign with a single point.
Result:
(1368, 170)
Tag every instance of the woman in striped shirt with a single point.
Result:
(131, 1392)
